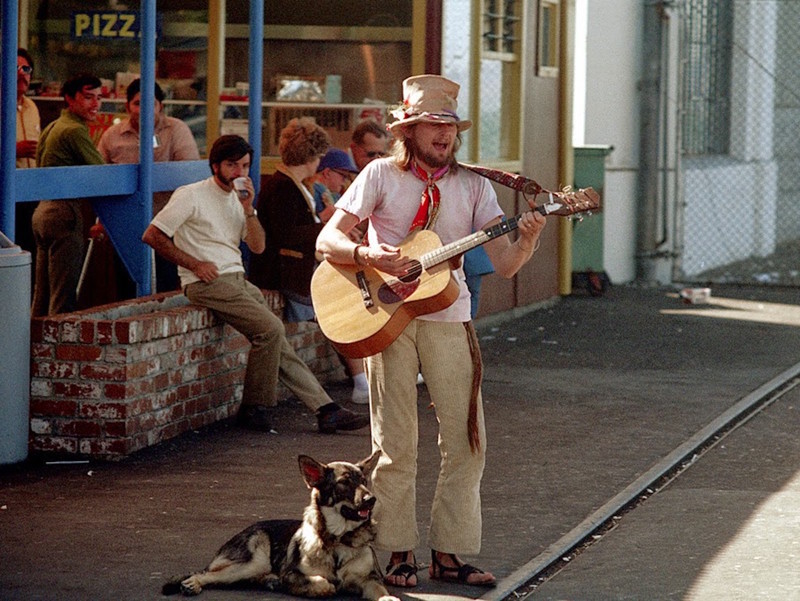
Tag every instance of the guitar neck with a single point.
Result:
(454, 249)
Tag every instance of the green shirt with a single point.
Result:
(66, 142)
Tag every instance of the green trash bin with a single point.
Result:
(587, 235)
(15, 325)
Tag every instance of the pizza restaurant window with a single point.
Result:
(362, 48)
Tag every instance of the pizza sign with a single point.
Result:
(107, 25)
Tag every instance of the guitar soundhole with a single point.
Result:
(413, 273)
(399, 289)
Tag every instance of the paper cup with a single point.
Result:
(239, 185)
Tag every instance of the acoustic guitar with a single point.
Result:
(362, 310)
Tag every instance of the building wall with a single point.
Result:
(538, 279)
(613, 51)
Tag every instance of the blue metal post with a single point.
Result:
(8, 117)
(256, 75)
(146, 127)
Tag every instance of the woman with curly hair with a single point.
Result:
(286, 210)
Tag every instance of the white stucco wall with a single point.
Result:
(613, 51)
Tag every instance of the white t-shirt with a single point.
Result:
(390, 198)
(207, 223)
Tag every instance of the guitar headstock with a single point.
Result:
(570, 202)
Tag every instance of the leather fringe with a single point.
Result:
(477, 377)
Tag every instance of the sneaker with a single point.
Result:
(341, 419)
(360, 396)
(255, 417)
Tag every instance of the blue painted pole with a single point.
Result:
(146, 127)
(256, 76)
(8, 118)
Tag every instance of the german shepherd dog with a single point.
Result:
(326, 552)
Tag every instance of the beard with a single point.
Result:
(216, 170)
(428, 158)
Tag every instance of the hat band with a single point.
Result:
(444, 116)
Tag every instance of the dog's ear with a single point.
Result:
(368, 464)
(313, 471)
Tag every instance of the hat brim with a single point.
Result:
(396, 126)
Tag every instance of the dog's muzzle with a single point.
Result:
(360, 513)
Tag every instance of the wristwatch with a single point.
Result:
(253, 214)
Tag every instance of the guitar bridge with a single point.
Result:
(363, 286)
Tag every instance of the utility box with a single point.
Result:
(15, 325)
(587, 234)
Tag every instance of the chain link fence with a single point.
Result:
(739, 142)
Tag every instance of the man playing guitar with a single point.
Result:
(422, 187)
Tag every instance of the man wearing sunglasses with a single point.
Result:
(28, 121)
(369, 141)
(28, 130)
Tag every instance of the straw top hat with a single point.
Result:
(429, 98)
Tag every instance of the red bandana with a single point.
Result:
(429, 203)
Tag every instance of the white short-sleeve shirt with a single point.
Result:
(207, 223)
(390, 197)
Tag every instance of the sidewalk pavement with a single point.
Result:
(582, 398)
(726, 529)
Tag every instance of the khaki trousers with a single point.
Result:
(239, 303)
(58, 231)
(442, 352)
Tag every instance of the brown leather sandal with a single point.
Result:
(460, 574)
(404, 569)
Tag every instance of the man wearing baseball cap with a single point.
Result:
(422, 186)
(335, 172)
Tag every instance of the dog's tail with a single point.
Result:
(173, 586)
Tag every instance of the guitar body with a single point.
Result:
(362, 310)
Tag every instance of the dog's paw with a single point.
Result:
(191, 587)
(320, 587)
(271, 582)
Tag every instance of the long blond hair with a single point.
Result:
(403, 152)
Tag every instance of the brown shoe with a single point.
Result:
(340, 419)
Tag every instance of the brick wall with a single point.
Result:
(111, 380)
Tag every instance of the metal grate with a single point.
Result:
(739, 206)
(707, 81)
(500, 21)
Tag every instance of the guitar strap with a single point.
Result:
(528, 187)
(510, 180)
(473, 433)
